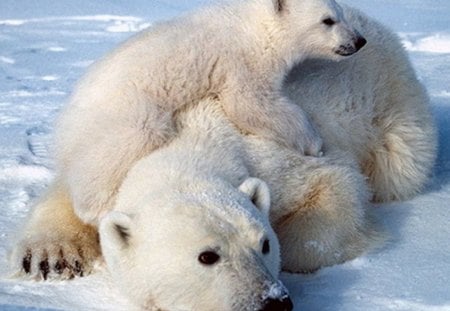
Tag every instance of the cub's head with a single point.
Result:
(206, 247)
(312, 28)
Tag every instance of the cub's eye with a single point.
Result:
(329, 21)
(266, 247)
(208, 258)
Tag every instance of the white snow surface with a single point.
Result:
(46, 45)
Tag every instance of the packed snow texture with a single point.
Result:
(46, 45)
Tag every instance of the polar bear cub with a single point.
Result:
(238, 52)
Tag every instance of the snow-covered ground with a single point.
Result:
(46, 45)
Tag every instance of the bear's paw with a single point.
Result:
(56, 255)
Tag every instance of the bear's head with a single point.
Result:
(303, 29)
(202, 246)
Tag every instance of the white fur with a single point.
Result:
(258, 192)
(173, 207)
(238, 52)
(379, 139)
(186, 197)
(372, 106)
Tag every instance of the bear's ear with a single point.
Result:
(279, 5)
(115, 231)
(258, 192)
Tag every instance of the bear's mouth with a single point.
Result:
(346, 50)
(350, 49)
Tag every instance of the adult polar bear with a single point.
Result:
(373, 116)
(185, 234)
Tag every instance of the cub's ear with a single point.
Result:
(279, 5)
(258, 192)
(115, 233)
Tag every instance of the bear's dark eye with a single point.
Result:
(329, 21)
(208, 258)
(266, 247)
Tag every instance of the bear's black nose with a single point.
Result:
(284, 304)
(360, 42)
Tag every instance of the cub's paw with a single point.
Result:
(302, 134)
(49, 256)
(314, 147)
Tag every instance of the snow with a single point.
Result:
(46, 45)
(436, 43)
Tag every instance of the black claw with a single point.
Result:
(60, 266)
(26, 262)
(78, 269)
(44, 268)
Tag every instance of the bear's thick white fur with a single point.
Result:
(192, 196)
(379, 142)
(372, 106)
(238, 52)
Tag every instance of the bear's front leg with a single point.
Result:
(270, 115)
(55, 244)
(296, 127)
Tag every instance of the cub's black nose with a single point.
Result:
(360, 42)
(284, 304)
